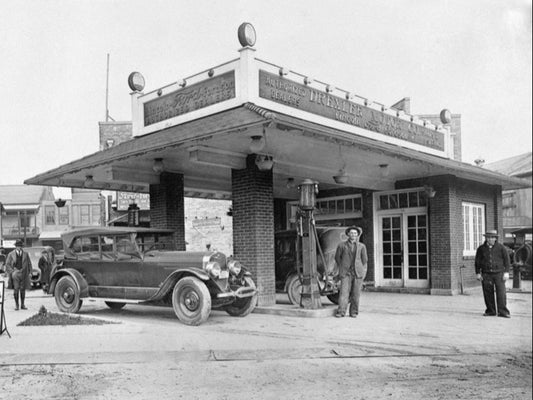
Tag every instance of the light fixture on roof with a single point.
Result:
(283, 71)
(290, 183)
(429, 191)
(264, 162)
(257, 144)
(342, 177)
(89, 181)
(136, 81)
(110, 142)
(308, 80)
(158, 166)
(246, 34)
(384, 170)
(182, 82)
(60, 203)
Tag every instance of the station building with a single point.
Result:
(250, 131)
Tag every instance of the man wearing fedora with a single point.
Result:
(352, 260)
(18, 267)
(492, 269)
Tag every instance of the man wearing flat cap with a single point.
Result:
(492, 269)
(18, 267)
(352, 260)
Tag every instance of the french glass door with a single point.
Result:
(404, 250)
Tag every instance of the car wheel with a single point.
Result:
(243, 307)
(67, 295)
(334, 298)
(114, 306)
(294, 289)
(191, 301)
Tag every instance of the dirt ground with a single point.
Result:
(479, 376)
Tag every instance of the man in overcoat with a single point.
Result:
(18, 268)
(352, 261)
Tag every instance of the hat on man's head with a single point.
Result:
(491, 233)
(19, 243)
(357, 228)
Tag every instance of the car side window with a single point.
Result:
(106, 243)
(125, 245)
(86, 247)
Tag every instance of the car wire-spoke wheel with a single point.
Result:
(294, 289)
(191, 301)
(67, 295)
(243, 307)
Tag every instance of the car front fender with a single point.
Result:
(171, 280)
(80, 281)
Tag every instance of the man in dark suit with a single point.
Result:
(352, 260)
(492, 269)
(18, 268)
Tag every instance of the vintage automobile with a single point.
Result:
(140, 265)
(288, 256)
(35, 253)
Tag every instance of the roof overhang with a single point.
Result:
(203, 127)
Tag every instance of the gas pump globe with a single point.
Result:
(308, 191)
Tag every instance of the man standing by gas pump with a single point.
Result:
(352, 260)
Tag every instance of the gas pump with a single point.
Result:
(306, 230)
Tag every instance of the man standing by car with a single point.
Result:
(492, 269)
(352, 259)
(18, 267)
(45, 265)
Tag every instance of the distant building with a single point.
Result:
(516, 204)
(21, 213)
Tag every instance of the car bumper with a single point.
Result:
(240, 293)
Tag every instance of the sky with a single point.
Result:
(472, 57)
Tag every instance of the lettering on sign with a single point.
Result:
(280, 90)
(205, 222)
(190, 98)
(124, 199)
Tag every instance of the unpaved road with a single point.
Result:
(479, 376)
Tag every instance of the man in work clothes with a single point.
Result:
(352, 259)
(18, 267)
(492, 269)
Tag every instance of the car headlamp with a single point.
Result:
(213, 269)
(234, 267)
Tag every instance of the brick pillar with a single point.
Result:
(167, 209)
(444, 237)
(253, 226)
(368, 233)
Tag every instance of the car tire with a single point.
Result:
(294, 289)
(191, 301)
(114, 305)
(243, 307)
(67, 295)
(334, 298)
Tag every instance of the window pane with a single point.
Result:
(387, 260)
(411, 221)
(412, 247)
(397, 259)
(403, 200)
(397, 273)
(386, 248)
(411, 234)
(386, 236)
(423, 273)
(422, 247)
(393, 199)
(413, 199)
(397, 247)
(412, 260)
(396, 235)
(358, 206)
(422, 260)
(384, 202)
(348, 205)
(340, 206)
(396, 222)
(421, 199)
(95, 214)
(412, 273)
(387, 273)
(50, 212)
(63, 216)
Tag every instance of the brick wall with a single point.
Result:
(446, 228)
(167, 208)
(253, 226)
